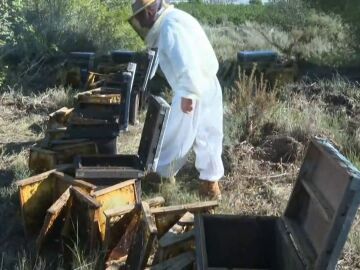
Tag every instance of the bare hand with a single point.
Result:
(187, 105)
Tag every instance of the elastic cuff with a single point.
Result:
(187, 95)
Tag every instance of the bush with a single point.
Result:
(255, 2)
(215, 14)
(293, 29)
(40, 30)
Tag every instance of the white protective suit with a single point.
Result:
(188, 61)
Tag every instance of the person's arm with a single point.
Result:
(177, 44)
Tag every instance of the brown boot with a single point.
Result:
(209, 190)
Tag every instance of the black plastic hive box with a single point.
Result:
(122, 56)
(310, 234)
(116, 114)
(144, 62)
(257, 56)
(109, 169)
(84, 60)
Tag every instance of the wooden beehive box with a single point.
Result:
(310, 234)
(89, 211)
(41, 159)
(38, 193)
(110, 169)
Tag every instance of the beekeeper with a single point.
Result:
(189, 64)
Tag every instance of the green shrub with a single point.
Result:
(255, 2)
(83, 25)
(38, 30)
(215, 14)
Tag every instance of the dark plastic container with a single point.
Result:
(84, 60)
(122, 56)
(107, 169)
(257, 56)
(309, 235)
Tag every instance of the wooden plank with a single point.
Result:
(174, 242)
(114, 187)
(166, 217)
(142, 245)
(131, 222)
(100, 98)
(35, 178)
(191, 207)
(119, 211)
(85, 198)
(59, 203)
(53, 213)
(156, 201)
(121, 194)
(60, 116)
(177, 263)
(118, 218)
(74, 182)
(172, 239)
(36, 196)
(187, 219)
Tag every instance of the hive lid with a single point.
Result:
(322, 205)
(153, 132)
(85, 58)
(150, 58)
(122, 56)
(257, 56)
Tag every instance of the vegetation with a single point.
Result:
(291, 28)
(36, 35)
(223, 13)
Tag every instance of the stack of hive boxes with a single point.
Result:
(91, 127)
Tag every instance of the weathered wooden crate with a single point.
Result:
(120, 230)
(38, 193)
(166, 217)
(110, 169)
(101, 103)
(310, 234)
(94, 206)
(143, 242)
(59, 118)
(41, 159)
